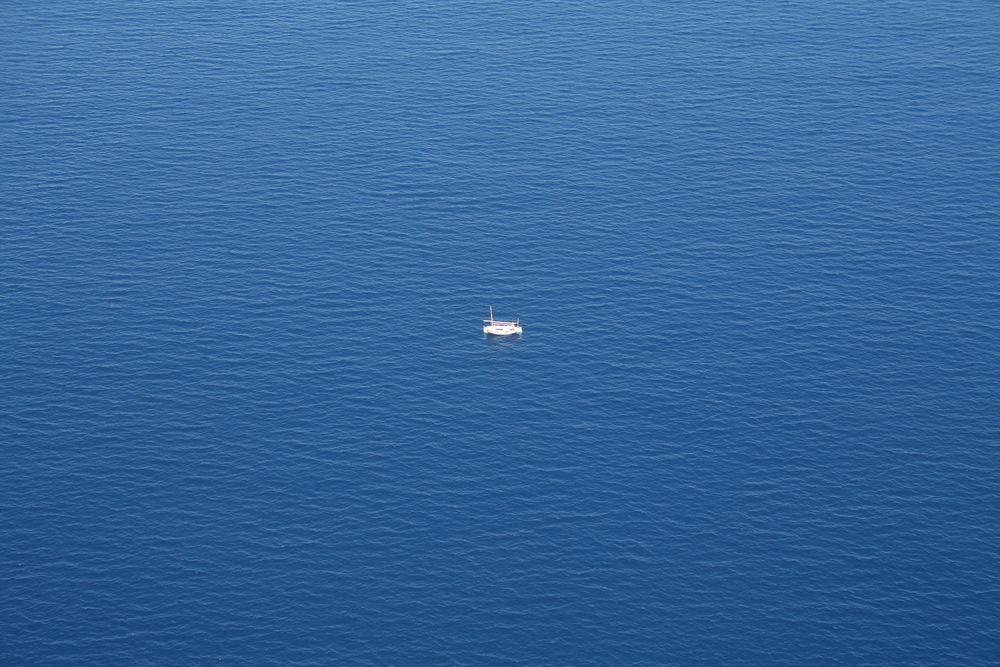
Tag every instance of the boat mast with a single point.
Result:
(491, 313)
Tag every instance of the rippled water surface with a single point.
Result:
(247, 414)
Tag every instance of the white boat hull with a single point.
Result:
(501, 329)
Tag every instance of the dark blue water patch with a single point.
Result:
(249, 414)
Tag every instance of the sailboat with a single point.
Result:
(501, 327)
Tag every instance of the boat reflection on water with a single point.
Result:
(503, 343)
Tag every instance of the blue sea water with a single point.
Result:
(248, 416)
